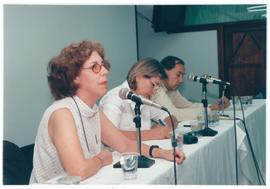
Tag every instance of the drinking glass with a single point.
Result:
(129, 164)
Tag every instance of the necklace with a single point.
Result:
(82, 124)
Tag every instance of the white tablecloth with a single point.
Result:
(255, 116)
(210, 161)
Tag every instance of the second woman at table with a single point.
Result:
(143, 79)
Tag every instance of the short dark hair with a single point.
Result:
(169, 62)
(64, 68)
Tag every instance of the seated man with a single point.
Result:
(168, 95)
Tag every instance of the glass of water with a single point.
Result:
(213, 117)
(129, 164)
(246, 100)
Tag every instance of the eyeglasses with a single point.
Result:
(96, 67)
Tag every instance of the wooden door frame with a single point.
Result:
(250, 25)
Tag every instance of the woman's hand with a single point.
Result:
(219, 105)
(226, 101)
(180, 156)
(168, 154)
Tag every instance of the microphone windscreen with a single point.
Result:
(190, 139)
(123, 93)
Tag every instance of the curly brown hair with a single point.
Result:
(64, 68)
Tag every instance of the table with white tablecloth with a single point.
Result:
(211, 161)
(255, 117)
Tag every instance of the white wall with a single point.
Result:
(34, 34)
(197, 49)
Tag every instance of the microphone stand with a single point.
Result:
(174, 144)
(222, 102)
(206, 131)
(143, 162)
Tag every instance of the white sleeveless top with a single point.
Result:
(46, 163)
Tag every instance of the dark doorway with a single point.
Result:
(243, 60)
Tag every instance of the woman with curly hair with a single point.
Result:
(73, 129)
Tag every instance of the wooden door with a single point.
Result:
(244, 63)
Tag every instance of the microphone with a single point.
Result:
(217, 81)
(207, 79)
(127, 94)
(192, 77)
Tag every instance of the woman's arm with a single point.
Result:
(156, 133)
(63, 133)
(177, 104)
(115, 139)
(113, 107)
